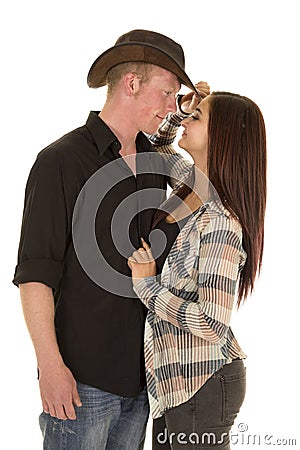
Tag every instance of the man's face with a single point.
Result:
(156, 98)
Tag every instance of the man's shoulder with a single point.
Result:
(65, 146)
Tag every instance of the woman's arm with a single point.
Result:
(186, 104)
(166, 133)
(177, 167)
(220, 257)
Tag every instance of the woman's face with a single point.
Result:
(195, 136)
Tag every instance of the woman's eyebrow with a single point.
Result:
(199, 110)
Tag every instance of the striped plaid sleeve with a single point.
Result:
(177, 166)
(219, 261)
(167, 131)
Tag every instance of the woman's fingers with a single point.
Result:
(143, 254)
(145, 245)
(203, 88)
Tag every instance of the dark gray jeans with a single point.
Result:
(204, 421)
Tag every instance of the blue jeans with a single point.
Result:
(104, 422)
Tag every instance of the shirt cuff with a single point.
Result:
(44, 271)
(180, 112)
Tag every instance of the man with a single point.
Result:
(87, 333)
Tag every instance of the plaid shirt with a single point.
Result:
(188, 335)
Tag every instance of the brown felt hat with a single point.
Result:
(143, 46)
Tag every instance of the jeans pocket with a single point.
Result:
(234, 390)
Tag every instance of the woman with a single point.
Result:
(195, 371)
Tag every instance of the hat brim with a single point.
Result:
(127, 52)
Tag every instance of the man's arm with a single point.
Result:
(57, 384)
(43, 243)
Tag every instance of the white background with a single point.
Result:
(248, 47)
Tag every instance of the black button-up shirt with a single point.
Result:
(99, 332)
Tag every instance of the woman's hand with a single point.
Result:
(189, 101)
(142, 263)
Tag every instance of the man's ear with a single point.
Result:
(132, 84)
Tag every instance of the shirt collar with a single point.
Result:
(105, 138)
(213, 204)
(102, 134)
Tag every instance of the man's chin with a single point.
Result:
(150, 130)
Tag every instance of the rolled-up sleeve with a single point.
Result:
(44, 225)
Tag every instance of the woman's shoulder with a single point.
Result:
(217, 217)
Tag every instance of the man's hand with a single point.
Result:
(190, 101)
(59, 391)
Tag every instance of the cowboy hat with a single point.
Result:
(143, 46)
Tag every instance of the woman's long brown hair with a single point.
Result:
(237, 171)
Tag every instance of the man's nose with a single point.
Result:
(172, 106)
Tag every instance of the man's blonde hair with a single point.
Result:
(114, 75)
